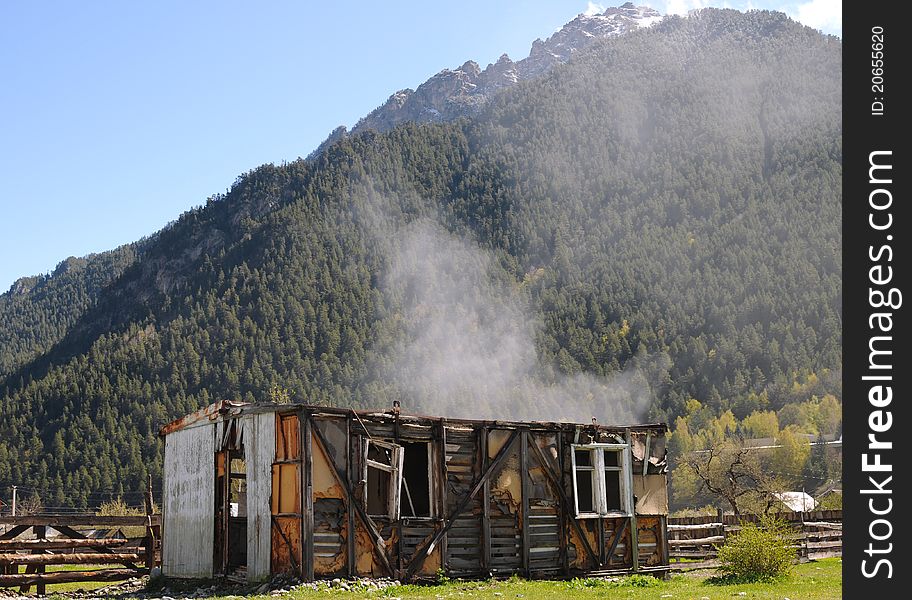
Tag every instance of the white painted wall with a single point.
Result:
(259, 452)
(188, 502)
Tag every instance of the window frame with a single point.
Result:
(395, 471)
(597, 470)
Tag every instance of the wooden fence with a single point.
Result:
(816, 534)
(72, 546)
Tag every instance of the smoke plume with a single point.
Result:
(469, 344)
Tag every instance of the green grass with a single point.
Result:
(819, 580)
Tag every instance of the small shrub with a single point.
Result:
(759, 552)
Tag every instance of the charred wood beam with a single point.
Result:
(425, 551)
(379, 546)
(15, 531)
(565, 502)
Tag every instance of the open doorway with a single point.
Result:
(231, 505)
(416, 480)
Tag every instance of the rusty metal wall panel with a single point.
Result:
(259, 452)
(288, 438)
(286, 544)
(285, 498)
(188, 501)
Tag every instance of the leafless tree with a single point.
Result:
(733, 472)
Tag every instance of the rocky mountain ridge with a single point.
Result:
(453, 93)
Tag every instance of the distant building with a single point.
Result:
(796, 501)
(252, 490)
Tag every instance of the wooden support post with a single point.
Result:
(307, 517)
(634, 533)
(442, 486)
(486, 513)
(646, 452)
(562, 513)
(398, 524)
(525, 488)
(353, 451)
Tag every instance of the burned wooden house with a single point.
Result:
(254, 490)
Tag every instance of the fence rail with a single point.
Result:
(26, 541)
(815, 534)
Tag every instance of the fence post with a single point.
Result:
(150, 532)
(40, 534)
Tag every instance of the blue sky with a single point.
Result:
(116, 117)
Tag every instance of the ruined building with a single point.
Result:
(252, 490)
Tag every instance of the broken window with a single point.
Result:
(416, 480)
(383, 477)
(600, 479)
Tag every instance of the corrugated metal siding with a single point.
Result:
(188, 502)
(259, 451)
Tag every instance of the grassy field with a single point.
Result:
(820, 580)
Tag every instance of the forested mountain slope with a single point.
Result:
(656, 220)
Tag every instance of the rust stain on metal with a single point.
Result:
(209, 413)
(288, 441)
(332, 565)
(286, 489)
(286, 543)
(364, 555)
